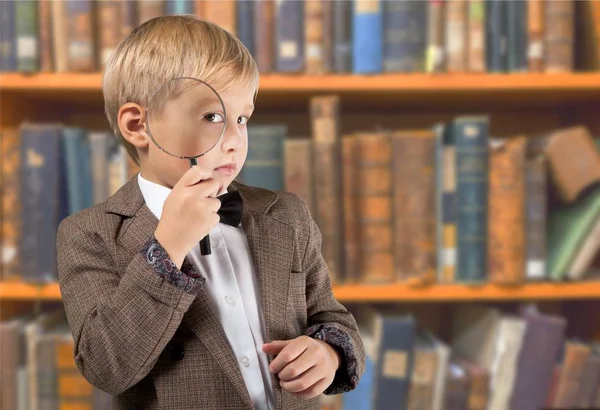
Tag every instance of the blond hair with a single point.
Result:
(167, 47)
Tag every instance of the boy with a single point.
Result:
(252, 325)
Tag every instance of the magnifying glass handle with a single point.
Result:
(204, 242)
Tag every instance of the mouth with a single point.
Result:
(227, 169)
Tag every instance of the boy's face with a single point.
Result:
(225, 159)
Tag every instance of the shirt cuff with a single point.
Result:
(186, 279)
(346, 377)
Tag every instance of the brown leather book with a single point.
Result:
(506, 216)
(567, 390)
(298, 163)
(535, 31)
(11, 211)
(326, 178)
(110, 25)
(476, 36)
(574, 161)
(351, 233)
(374, 206)
(313, 36)
(413, 202)
(221, 12)
(559, 31)
(264, 26)
(45, 34)
(81, 35)
(457, 18)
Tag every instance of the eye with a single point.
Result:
(243, 120)
(213, 117)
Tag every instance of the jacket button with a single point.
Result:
(177, 351)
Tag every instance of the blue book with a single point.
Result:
(367, 44)
(8, 40)
(179, 7)
(472, 171)
(264, 163)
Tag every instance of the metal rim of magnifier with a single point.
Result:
(224, 118)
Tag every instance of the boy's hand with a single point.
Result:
(189, 213)
(305, 366)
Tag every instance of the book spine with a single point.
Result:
(264, 162)
(517, 35)
(413, 154)
(536, 208)
(245, 24)
(535, 31)
(449, 209)
(342, 36)
(506, 214)
(80, 36)
(404, 36)
(8, 39)
(26, 32)
(324, 113)
(435, 58)
(367, 41)
(351, 234)
(476, 36)
(559, 36)
(496, 36)
(374, 202)
(456, 35)
(313, 40)
(264, 20)
(11, 205)
(472, 167)
(289, 29)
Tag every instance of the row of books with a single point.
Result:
(318, 36)
(38, 368)
(450, 204)
(492, 359)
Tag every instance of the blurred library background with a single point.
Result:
(448, 150)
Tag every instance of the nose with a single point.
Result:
(232, 137)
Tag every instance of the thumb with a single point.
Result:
(275, 346)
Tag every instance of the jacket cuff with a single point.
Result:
(346, 377)
(186, 279)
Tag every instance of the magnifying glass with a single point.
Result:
(186, 118)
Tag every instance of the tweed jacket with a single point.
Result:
(150, 337)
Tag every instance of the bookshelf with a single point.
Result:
(397, 293)
(536, 88)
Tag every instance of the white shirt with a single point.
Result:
(232, 286)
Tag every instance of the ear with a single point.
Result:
(131, 120)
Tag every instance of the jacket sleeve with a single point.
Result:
(328, 320)
(121, 318)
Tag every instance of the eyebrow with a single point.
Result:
(250, 107)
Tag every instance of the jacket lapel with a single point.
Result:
(271, 245)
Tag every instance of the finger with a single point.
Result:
(207, 188)
(304, 382)
(193, 175)
(314, 390)
(297, 367)
(288, 354)
(213, 204)
(275, 346)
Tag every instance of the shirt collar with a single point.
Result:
(155, 194)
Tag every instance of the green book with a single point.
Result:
(568, 226)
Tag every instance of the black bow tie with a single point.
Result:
(231, 208)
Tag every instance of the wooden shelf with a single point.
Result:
(518, 88)
(389, 293)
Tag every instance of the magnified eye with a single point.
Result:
(213, 117)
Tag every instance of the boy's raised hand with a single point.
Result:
(305, 366)
(189, 213)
